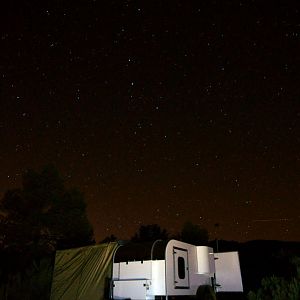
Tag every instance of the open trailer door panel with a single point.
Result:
(228, 272)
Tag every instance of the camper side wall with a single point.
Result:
(158, 278)
(139, 279)
(135, 270)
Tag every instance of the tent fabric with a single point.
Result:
(82, 273)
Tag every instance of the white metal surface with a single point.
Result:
(181, 268)
(158, 278)
(228, 272)
(185, 268)
(116, 271)
(133, 289)
(195, 279)
(135, 270)
(205, 260)
(128, 277)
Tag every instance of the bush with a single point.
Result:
(277, 288)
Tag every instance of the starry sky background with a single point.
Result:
(159, 111)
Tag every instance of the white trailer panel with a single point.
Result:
(158, 278)
(135, 270)
(205, 260)
(116, 271)
(131, 289)
(228, 272)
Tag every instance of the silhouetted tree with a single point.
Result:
(43, 214)
(108, 239)
(149, 233)
(194, 234)
(35, 220)
(279, 288)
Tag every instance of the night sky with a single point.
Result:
(159, 111)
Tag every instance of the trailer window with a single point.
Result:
(181, 267)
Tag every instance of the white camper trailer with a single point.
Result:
(181, 269)
(159, 270)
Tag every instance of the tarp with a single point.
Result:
(82, 273)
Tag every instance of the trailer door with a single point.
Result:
(228, 272)
(181, 268)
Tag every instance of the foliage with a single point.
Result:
(190, 233)
(43, 214)
(108, 239)
(150, 233)
(32, 283)
(194, 234)
(278, 288)
(296, 262)
(25, 274)
(34, 221)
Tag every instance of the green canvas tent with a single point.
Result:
(82, 273)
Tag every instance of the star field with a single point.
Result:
(159, 111)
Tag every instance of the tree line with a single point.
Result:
(44, 216)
